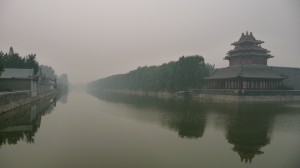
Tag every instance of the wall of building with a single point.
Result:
(236, 98)
(44, 88)
(247, 60)
(293, 76)
(15, 84)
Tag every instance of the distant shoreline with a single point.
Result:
(284, 96)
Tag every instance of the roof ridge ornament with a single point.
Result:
(248, 46)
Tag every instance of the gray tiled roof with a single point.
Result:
(247, 38)
(246, 71)
(17, 73)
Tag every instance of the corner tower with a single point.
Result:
(248, 51)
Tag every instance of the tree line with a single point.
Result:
(15, 60)
(186, 73)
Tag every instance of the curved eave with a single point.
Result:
(247, 55)
(248, 49)
(247, 41)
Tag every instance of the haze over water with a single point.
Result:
(93, 39)
(83, 130)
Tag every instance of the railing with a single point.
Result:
(269, 92)
(8, 97)
(252, 92)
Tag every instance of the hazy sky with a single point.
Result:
(91, 39)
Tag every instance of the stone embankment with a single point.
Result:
(12, 100)
(246, 99)
(144, 93)
(223, 95)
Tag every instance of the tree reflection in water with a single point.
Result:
(188, 118)
(23, 123)
(248, 127)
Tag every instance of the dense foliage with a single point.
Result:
(63, 80)
(48, 72)
(186, 73)
(14, 60)
(1, 67)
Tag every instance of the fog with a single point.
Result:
(92, 39)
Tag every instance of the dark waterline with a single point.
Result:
(97, 130)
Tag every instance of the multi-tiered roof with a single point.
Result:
(248, 51)
(248, 67)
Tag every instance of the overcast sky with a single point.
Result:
(92, 39)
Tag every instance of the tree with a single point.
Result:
(186, 73)
(48, 72)
(1, 63)
(14, 60)
(210, 67)
(63, 80)
(30, 62)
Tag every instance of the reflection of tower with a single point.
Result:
(247, 139)
(246, 153)
(249, 130)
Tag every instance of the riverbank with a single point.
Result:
(144, 93)
(12, 100)
(222, 95)
(250, 99)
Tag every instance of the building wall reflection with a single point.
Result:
(247, 127)
(24, 122)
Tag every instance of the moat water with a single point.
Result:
(96, 130)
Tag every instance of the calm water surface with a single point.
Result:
(83, 130)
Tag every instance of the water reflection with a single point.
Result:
(247, 127)
(63, 97)
(188, 118)
(183, 117)
(24, 122)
